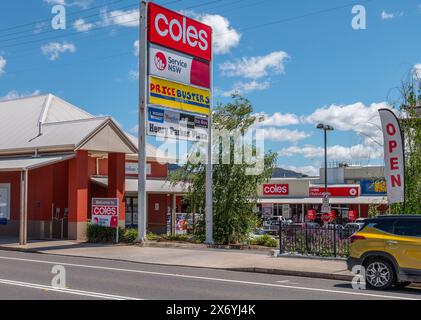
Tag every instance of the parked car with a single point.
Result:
(351, 228)
(389, 248)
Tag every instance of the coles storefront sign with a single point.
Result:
(174, 66)
(275, 189)
(173, 30)
(334, 192)
(105, 212)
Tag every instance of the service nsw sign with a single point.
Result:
(176, 125)
(173, 30)
(318, 192)
(179, 96)
(178, 67)
(105, 212)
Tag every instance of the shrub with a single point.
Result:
(265, 240)
(98, 234)
(179, 237)
(128, 235)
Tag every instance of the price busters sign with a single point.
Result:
(105, 212)
(179, 96)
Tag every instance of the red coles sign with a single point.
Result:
(175, 31)
(275, 189)
(332, 215)
(311, 214)
(325, 217)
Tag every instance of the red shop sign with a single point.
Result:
(311, 214)
(173, 30)
(318, 192)
(352, 215)
(332, 215)
(275, 189)
(325, 217)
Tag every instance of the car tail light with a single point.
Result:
(357, 237)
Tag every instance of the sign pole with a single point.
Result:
(143, 89)
(209, 166)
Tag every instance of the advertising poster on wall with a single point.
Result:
(105, 212)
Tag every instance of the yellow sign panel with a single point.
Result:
(380, 187)
(179, 96)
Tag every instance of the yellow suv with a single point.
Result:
(389, 248)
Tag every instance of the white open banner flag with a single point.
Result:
(393, 156)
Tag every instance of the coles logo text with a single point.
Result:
(178, 32)
(275, 189)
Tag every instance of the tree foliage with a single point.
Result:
(410, 118)
(235, 192)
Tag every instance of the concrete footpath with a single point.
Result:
(191, 256)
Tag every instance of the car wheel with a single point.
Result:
(402, 284)
(380, 274)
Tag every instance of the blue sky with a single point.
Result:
(299, 62)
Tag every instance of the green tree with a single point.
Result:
(235, 191)
(410, 118)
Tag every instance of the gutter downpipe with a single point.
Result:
(23, 226)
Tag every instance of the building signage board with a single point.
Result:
(373, 188)
(179, 96)
(105, 212)
(275, 189)
(132, 169)
(352, 215)
(173, 30)
(311, 214)
(178, 67)
(318, 192)
(176, 125)
(394, 158)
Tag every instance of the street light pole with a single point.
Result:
(325, 129)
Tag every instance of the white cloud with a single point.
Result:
(362, 119)
(307, 170)
(255, 67)
(54, 49)
(3, 63)
(225, 37)
(392, 15)
(134, 74)
(84, 4)
(246, 87)
(282, 135)
(136, 48)
(416, 71)
(15, 95)
(128, 18)
(337, 152)
(279, 120)
(81, 26)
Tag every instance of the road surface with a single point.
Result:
(29, 276)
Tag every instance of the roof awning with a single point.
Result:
(356, 200)
(26, 163)
(152, 186)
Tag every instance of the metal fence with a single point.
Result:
(314, 240)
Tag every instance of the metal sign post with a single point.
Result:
(209, 167)
(143, 90)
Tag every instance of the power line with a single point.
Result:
(69, 14)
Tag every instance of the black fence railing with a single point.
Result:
(314, 240)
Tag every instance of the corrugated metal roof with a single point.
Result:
(64, 126)
(19, 164)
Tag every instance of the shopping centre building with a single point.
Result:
(56, 157)
(350, 188)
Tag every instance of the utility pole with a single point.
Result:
(143, 91)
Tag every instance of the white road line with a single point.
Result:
(65, 290)
(355, 293)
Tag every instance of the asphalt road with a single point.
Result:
(29, 276)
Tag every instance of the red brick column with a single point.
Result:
(117, 181)
(78, 195)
